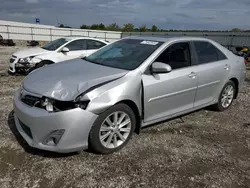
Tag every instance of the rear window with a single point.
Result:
(207, 52)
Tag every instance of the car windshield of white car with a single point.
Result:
(53, 45)
(125, 54)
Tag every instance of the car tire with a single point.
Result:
(42, 64)
(118, 135)
(39, 65)
(226, 96)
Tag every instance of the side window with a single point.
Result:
(177, 56)
(93, 44)
(77, 45)
(206, 52)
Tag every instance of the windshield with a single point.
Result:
(125, 54)
(53, 45)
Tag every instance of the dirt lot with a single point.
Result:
(206, 149)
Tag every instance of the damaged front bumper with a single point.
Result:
(62, 132)
(16, 67)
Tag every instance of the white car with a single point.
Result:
(59, 50)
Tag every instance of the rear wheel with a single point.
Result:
(226, 96)
(112, 129)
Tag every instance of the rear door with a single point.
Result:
(173, 92)
(213, 70)
(93, 45)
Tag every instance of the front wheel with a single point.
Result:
(42, 64)
(112, 129)
(39, 65)
(226, 96)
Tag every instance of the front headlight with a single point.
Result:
(25, 60)
(51, 105)
(48, 104)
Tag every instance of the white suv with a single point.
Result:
(61, 49)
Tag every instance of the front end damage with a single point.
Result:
(21, 66)
(62, 131)
(57, 112)
(24, 68)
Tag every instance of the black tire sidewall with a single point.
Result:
(219, 105)
(41, 64)
(94, 140)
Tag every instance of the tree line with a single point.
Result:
(129, 27)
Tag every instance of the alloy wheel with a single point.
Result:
(115, 130)
(227, 96)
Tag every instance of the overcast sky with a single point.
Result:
(167, 14)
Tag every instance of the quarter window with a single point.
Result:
(177, 56)
(206, 52)
(93, 44)
(77, 45)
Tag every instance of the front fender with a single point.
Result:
(126, 88)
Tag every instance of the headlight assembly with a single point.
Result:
(25, 60)
(51, 105)
(48, 105)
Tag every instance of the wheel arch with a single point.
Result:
(47, 61)
(236, 82)
(136, 111)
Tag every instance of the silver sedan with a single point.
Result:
(99, 101)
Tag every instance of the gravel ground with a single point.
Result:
(203, 149)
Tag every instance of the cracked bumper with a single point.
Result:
(35, 124)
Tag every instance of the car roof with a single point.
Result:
(74, 37)
(167, 38)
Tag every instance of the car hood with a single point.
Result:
(30, 52)
(66, 80)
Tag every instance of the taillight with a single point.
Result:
(245, 61)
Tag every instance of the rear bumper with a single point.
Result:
(35, 124)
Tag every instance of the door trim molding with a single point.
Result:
(171, 94)
(209, 84)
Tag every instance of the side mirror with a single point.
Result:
(158, 67)
(65, 50)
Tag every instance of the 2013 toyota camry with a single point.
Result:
(99, 101)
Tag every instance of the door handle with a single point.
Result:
(192, 75)
(226, 67)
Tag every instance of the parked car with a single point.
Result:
(100, 100)
(59, 50)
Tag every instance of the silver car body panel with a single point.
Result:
(157, 97)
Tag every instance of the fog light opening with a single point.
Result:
(54, 137)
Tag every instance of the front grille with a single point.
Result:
(12, 60)
(30, 100)
(26, 129)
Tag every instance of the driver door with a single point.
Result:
(170, 93)
(77, 49)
